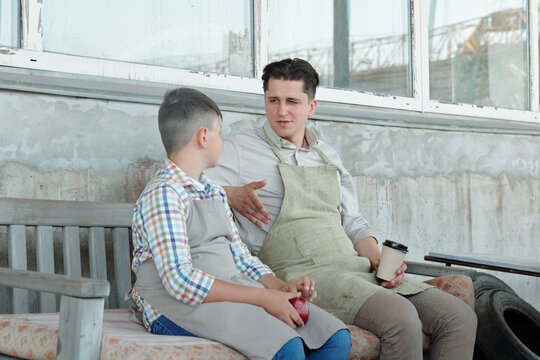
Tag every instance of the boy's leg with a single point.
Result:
(394, 320)
(293, 349)
(164, 326)
(449, 322)
(336, 348)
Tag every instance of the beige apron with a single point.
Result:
(248, 329)
(307, 238)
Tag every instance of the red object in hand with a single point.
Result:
(301, 308)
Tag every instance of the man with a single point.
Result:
(307, 221)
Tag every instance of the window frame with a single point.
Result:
(29, 68)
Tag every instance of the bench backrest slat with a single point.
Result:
(96, 253)
(72, 251)
(17, 260)
(122, 268)
(64, 213)
(45, 264)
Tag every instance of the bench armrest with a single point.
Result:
(419, 268)
(54, 283)
(81, 309)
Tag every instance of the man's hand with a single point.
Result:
(304, 285)
(395, 282)
(245, 200)
(277, 304)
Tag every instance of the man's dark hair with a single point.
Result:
(292, 69)
(182, 112)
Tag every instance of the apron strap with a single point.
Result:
(282, 161)
(322, 155)
(274, 147)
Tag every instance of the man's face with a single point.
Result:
(288, 108)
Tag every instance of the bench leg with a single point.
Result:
(79, 329)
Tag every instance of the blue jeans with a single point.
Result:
(164, 326)
(337, 347)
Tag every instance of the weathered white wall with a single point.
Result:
(441, 191)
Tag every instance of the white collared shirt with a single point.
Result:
(247, 157)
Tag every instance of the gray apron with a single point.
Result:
(246, 328)
(307, 238)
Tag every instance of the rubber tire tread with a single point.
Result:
(495, 337)
(472, 274)
(485, 282)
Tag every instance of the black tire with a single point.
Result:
(508, 327)
(472, 274)
(478, 355)
(485, 282)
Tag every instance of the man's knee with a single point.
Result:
(449, 313)
(461, 316)
(404, 318)
(391, 314)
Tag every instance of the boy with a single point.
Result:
(194, 275)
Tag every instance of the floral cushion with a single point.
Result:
(34, 336)
(460, 286)
(365, 345)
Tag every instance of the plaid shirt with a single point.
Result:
(159, 233)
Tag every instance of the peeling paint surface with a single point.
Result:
(439, 191)
(51, 134)
(391, 152)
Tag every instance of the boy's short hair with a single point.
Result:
(292, 69)
(182, 112)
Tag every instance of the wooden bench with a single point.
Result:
(82, 329)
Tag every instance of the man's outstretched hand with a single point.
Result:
(245, 200)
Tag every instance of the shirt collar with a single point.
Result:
(201, 185)
(311, 138)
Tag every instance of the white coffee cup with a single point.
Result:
(392, 256)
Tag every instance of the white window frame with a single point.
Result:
(29, 68)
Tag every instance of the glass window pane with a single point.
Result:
(478, 52)
(207, 35)
(367, 48)
(380, 46)
(303, 29)
(9, 23)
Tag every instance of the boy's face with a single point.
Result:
(215, 144)
(287, 108)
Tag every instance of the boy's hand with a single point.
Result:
(277, 304)
(304, 285)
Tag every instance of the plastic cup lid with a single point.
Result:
(396, 246)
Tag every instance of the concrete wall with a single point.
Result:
(440, 191)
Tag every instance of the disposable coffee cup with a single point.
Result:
(392, 256)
